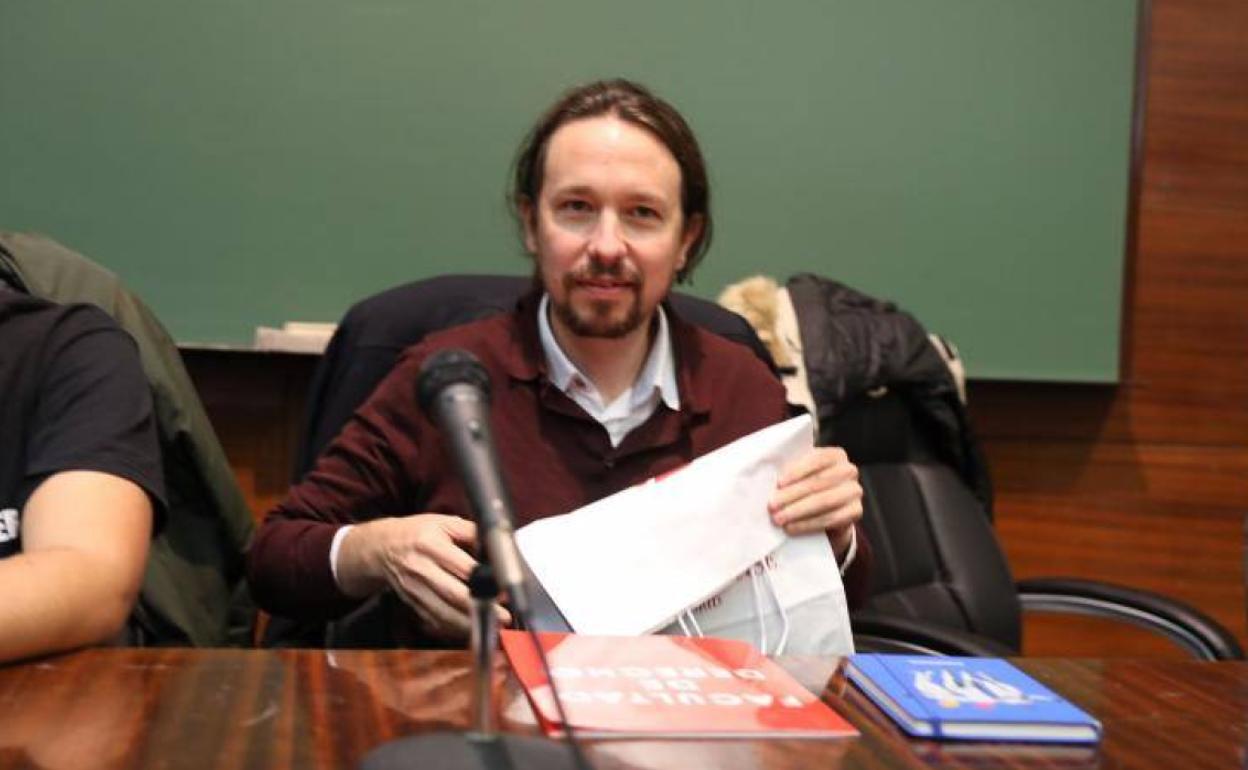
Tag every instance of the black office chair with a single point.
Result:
(941, 583)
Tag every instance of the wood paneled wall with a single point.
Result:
(1145, 483)
(256, 403)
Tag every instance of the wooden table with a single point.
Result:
(119, 708)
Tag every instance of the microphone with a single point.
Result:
(453, 389)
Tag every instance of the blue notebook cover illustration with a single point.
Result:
(969, 699)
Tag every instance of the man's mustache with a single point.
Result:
(617, 271)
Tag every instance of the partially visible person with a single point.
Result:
(80, 476)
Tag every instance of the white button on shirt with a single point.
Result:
(655, 382)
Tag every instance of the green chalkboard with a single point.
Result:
(247, 162)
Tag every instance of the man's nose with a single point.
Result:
(607, 241)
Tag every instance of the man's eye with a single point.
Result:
(575, 206)
(645, 212)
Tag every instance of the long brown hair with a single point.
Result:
(633, 103)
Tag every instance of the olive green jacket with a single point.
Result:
(194, 592)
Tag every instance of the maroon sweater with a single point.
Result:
(390, 460)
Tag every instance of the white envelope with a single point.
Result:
(629, 563)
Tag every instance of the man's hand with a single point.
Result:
(819, 491)
(425, 558)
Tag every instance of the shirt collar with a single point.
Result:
(657, 373)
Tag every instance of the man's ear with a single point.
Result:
(528, 220)
(693, 229)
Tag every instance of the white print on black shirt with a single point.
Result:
(8, 525)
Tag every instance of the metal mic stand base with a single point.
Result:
(464, 751)
(482, 748)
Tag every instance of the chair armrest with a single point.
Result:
(876, 632)
(1183, 624)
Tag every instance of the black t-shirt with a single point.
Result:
(72, 397)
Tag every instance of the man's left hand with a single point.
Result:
(819, 491)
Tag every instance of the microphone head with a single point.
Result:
(448, 367)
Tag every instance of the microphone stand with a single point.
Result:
(453, 388)
(482, 640)
(482, 747)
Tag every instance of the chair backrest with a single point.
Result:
(377, 329)
(936, 556)
(193, 590)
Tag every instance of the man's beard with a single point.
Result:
(596, 318)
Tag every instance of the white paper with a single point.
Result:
(629, 563)
(294, 337)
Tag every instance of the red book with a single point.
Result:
(667, 686)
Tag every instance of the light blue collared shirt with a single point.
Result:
(655, 382)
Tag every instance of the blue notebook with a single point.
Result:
(969, 699)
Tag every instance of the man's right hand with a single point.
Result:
(425, 558)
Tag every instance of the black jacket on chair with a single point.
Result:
(940, 581)
(853, 345)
